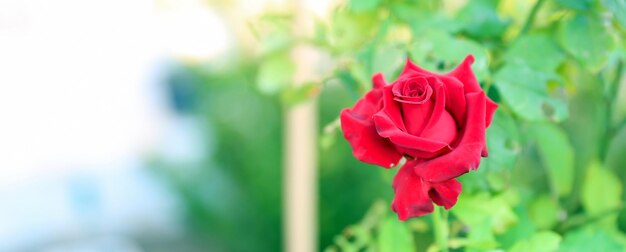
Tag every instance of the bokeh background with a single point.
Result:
(161, 125)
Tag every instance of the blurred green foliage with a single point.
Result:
(234, 191)
(554, 178)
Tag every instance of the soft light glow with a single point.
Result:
(190, 30)
(77, 86)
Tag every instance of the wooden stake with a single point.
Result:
(300, 152)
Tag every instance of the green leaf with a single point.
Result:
(587, 39)
(346, 78)
(363, 5)
(475, 181)
(618, 8)
(275, 73)
(349, 31)
(557, 155)
(447, 52)
(601, 194)
(330, 134)
(575, 4)
(484, 215)
(394, 236)
(481, 20)
(481, 238)
(453, 51)
(482, 209)
(388, 59)
(538, 51)
(615, 158)
(273, 31)
(525, 91)
(546, 241)
(355, 239)
(362, 75)
(590, 239)
(523, 229)
(503, 144)
(517, 10)
(543, 212)
(295, 95)
(421, 20)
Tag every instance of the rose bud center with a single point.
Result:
(422, 102)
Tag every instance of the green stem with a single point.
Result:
(610, 97)
(614, 88)
(531, 17)
(579, 220)
(440, 223)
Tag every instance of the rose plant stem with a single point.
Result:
(440, 226)
(531, 17)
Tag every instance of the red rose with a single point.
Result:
(436, 121)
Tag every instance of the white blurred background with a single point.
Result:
(80, 106)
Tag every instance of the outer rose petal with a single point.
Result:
(463, 72)
(414, 196)
(491, 109)
(378, 81)
(358, 128)
(410, 67)
(391, 109)
(445, 193)
(411, 199)
(466, 155)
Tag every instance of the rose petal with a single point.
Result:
(387, 126)
(414, 146)
(445, 193)
(407, 89)
(491, 109)
(466, 155)
(455, 97)
(359, 129)
(438, 106)
(444, 129)
(417, 116)
(378, 81)
(463, 72)
(440, 126)
(411, 194)
(392, 108)
(410, 68)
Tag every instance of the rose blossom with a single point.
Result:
(436, 121)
